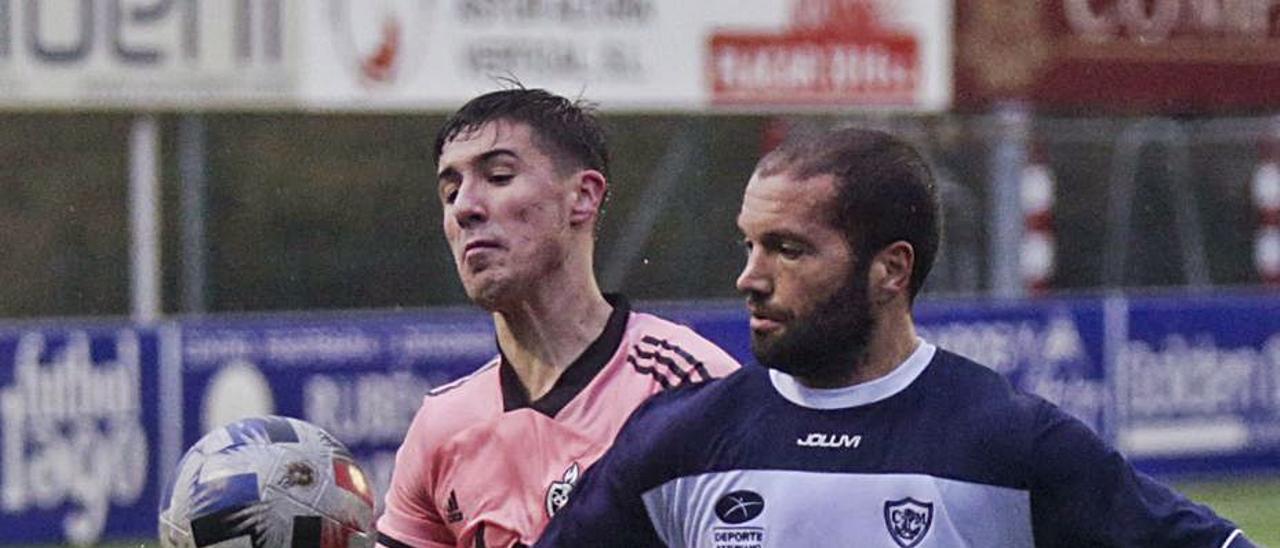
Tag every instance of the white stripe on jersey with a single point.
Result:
(436, 391)
(1234, 534)
(851, 511)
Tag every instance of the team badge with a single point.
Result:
(558, 492)
(908, 520)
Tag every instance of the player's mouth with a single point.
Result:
(763, 321)
(479, 247)
(764, 325)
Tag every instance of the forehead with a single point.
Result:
(476, 143)
(782, 202)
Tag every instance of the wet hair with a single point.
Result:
(566, 130)
(885, 191)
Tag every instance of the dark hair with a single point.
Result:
(565, 130)
(885, 190)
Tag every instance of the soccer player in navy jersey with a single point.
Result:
(857, 432)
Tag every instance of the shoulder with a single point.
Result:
(981, 408)
(689, 411)
(454, 406)
(656, 442)
(964, 384)
(467, 385)
(649, 335)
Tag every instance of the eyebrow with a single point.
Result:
(485, 157)
(775, 237)
(449, 173)
(776, 233)
(490, 155)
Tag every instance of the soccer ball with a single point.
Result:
(268, 482)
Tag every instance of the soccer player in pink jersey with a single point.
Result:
(489, 459)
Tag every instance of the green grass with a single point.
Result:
(1252, 502)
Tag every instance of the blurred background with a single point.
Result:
(216, 209)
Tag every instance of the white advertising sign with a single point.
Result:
(145, 54)
(655, 55)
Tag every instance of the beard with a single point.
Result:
(826, 341)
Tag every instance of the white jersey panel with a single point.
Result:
(777, 508)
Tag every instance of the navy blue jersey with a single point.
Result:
(942, 452)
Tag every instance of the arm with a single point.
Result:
(1085, 493)
(411, 518)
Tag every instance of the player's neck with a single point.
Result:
(546, 332)
(888, 350)
(890, 345)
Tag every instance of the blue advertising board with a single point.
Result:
(79, 433)
(360, 378)
(1052, 348)
(1197, 381)
(93, 418)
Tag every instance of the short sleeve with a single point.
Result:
(410, 517)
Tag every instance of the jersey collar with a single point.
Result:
(859, 394)
(579, 373)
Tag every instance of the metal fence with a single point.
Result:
(304, 211)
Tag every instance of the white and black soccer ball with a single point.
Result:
(267, 482)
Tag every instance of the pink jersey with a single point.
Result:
(483, 466)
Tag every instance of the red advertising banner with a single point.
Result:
(832, 52)
(1133, 55)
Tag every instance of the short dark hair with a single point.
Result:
(566, 130)
(885, 190)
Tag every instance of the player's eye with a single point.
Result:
(448, 193)
(790, 250)
(747, 246)
(501, 177)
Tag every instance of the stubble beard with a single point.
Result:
(827, 342)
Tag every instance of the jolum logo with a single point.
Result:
(818, 439)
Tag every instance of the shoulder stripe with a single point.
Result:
(694, 363)
(462, 380)
(658, 357)
(1234, 534)
(651, 371)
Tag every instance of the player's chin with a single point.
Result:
(767, 331)
(485, 291)
(765, 345)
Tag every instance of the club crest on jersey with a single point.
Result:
(908, 520)
(558, 492)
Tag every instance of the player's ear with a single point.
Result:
(890, 273)
(587, 196)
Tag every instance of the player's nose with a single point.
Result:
(469, 207)
(754, 280)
